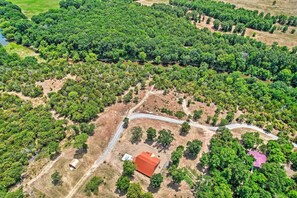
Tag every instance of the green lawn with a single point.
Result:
(33, 7)
(21, 51)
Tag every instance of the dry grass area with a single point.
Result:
(111, 170)
(157, 101)
(287, 7)
(151, 2)
(283, 39)
(106, 125)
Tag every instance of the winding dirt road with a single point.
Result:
(134, 116)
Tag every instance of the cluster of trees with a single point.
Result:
(93, 185)
(25, 133)
(268, 105)
(114, 30)
(228, 12)
(132, 190)
(99, 86)
(229, 170)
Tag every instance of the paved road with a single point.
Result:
(134, 116)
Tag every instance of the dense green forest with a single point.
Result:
(114, 30)
(229, 169)
(227, 12)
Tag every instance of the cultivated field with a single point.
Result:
(34, 7)
(287, 7)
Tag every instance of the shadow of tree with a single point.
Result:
(174, 186)
(80, 153)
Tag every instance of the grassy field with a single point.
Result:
(21, 51)
(288, 7)
(33, 7)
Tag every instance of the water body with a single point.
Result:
(3, 40)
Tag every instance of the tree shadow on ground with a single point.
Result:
(161, 148)
(152, 189)
(149, 142)
(120, 193)
(189, 156)
(55, 156)
(201, 168)
(174, 186)
(80, 153)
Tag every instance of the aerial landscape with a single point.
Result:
(148, 98)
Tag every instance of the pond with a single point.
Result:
(3, 40)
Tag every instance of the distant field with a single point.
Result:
(33, 7)
(287, 7)
(283, 39)
(151, 2)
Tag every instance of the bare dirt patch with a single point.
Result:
(283, 39)
(54, 85)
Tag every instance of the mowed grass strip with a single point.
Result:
(22, 51)
(34, 7)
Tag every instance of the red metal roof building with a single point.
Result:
(146, 163)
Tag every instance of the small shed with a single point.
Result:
(259, 157)
(74, 164)
(127, 157)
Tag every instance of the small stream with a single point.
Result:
(3, 41)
